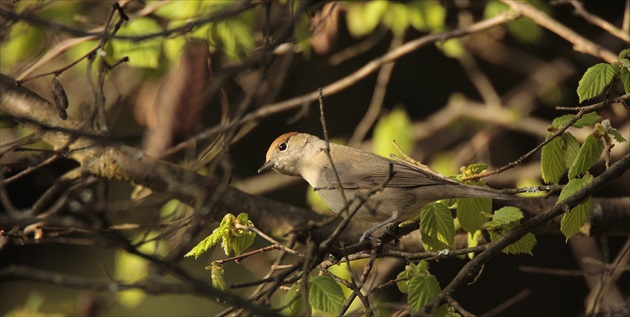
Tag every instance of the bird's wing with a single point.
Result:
(370, 170)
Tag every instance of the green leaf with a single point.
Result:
(573, 186)
(396, 18)
(474, 169)
(402, 285)
(624, 76)
(291, 303)
(552, 161)
(235, 35)
(393, 126)
(504, 216)
(436, 226)
(141, 54)
(561, 121)
(243, 241)
(595, 80)
(625, 53)
(589, 119)
(579, 214)
(571, 148)
(205, 244)
(617, 135)
(434, 15)
(422, 290)
(588, 155)
(494, 8)
(469, 212)
(452, 48)
(525, 30)
(363, 18)
(216, 275)
(575, 219)
(524, 245)
(325, 294)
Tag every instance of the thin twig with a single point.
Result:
(580, 43)
(595, 20)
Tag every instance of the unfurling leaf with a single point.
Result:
(232, 238)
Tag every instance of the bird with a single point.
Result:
(381, 190)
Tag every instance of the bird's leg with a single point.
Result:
(368, 233)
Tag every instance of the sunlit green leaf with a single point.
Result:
(595, 80)
(573, 186)
(452, 48)
(396, 18)
(363, 17)
(205, 244)
(588, 120)
(469, 212)
(436, 226)
(504, 216)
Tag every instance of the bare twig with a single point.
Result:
(580, 43)
(595, 20)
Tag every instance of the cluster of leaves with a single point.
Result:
(364, 17)
(233, 36)
(564, 154)
(233, 239)
(437, 224)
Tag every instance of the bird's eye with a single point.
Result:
(282, 146)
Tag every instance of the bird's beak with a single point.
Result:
(267, 166)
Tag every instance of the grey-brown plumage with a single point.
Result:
(362, 174)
